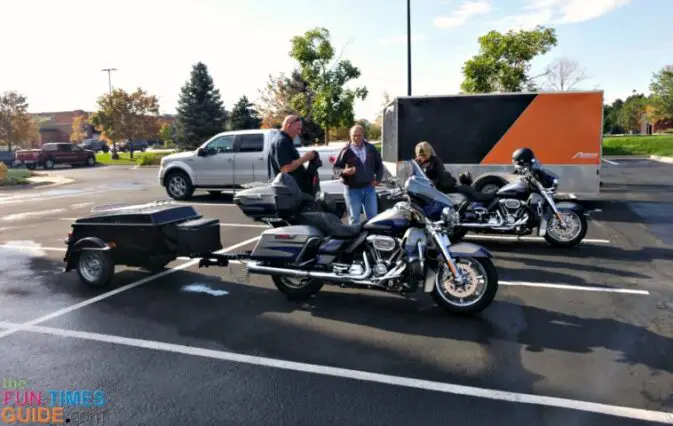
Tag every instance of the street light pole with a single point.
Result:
(109, 79)
(408, 47)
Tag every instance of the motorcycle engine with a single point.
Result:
(385, 251)
(511, 209)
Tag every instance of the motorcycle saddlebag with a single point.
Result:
(198, 237)
(287, 244)
(279, 199)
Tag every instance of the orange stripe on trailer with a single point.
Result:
(561, 128)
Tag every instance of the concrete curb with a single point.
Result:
(48, 181)
(661, 159)
(668, 160)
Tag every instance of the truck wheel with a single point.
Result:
(95, 268)
(490, 184)
(179, 186)
(49, 164)
(91, 161)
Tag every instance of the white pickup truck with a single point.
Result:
(229, 160)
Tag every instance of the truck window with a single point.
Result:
(220, 145)
(253, 142)
(297, 141)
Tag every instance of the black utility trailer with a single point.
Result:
(148, 236)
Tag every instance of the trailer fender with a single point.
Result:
(88, 243)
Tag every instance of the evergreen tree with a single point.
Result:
(201, 113)
(244, 116)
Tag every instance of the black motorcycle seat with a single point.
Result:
(474, 195)
(329, 224)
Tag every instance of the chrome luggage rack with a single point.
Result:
(256, 184)
(128, 206)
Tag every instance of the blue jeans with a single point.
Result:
(356, 199)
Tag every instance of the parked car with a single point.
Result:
(229, 160)
(137, 146)
(95, 145)
(8, 158)
(56, 153)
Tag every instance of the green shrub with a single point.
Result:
(150, 158)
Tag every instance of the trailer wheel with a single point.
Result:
(95, 268)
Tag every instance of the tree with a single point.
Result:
(661, 88)
(244, 116)
(285, 95)
(333, 104)
(631, 113)
(166, 134)
(564, 74)
(129, 116)
(503, 61)
(200, 112)
(78, 128)
(611, 117)
(17, 127)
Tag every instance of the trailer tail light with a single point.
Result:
(284, 237)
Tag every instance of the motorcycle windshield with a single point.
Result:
(418, 185)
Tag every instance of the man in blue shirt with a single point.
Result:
(362, 169)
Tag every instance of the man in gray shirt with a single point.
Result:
(362, 169)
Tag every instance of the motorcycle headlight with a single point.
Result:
(450, 216)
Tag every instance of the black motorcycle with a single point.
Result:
(520, 208)
(403, 249)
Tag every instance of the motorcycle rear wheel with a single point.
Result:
(297, 288)
(451, 298)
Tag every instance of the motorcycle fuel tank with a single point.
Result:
(516, 189)
(390, 221)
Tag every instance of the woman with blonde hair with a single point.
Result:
(433, 167)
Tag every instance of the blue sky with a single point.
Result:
(53, 51)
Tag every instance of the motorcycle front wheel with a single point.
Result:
(472, 297)
(573, 231)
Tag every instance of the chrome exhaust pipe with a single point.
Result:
(330, 276)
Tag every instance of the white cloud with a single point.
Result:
(402, 39)
(461, 15)
(551, 12)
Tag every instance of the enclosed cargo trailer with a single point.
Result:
(478, 133)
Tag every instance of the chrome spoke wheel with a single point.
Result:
(467, 293)
(567, 229)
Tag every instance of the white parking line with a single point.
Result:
(206, 204)
(574, 287)
(18, 247)
(244, 225)
(494, 394)
(26, 215)
(514, 238)
(87, 302)
(610, 162)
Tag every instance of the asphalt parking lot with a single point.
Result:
(575, 336)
